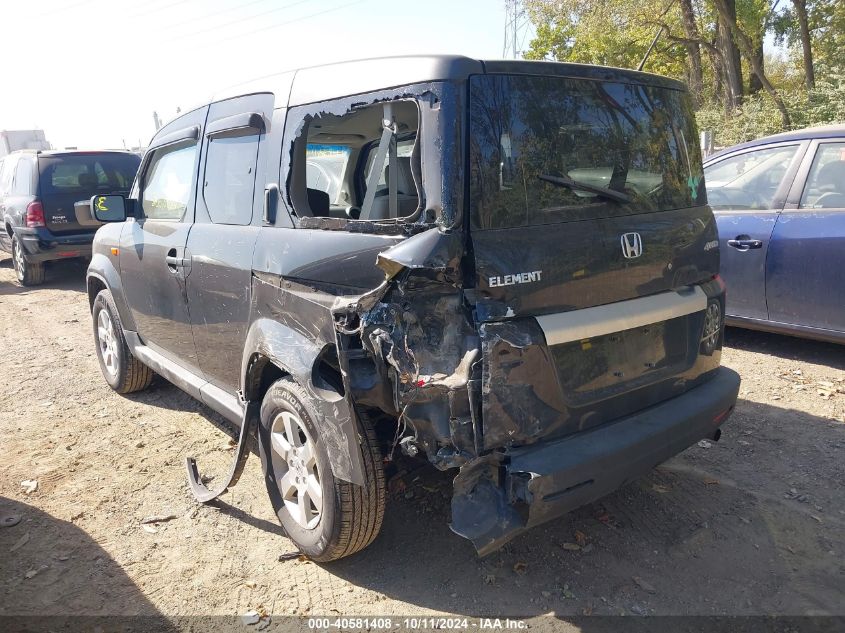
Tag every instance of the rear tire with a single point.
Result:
(28, 273)
(343, 518)
(123, 372)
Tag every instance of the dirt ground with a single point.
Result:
(753, 524)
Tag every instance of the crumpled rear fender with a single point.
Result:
(291, 351)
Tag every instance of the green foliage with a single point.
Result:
(758, 115)
(618, 33)
(607, 32)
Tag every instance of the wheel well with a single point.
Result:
(325, 375)
(262, 373)
(95, 286)
(9, 229)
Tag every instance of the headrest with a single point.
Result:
(832, 176)
(86, 180)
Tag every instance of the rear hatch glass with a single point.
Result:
(584, 193)
(68, 178)
(529, 131)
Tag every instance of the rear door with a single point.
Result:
(65, 179)
(807, 254)
(746, 191)
(222, 240)
(153, 264)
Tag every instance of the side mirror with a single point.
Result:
(109, 208)
(84, 216)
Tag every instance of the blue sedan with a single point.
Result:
(779, 203)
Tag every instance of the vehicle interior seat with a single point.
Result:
(319, 203)
(406, 198)
(86, 180)
(830, 185)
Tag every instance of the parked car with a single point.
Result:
(38, 190)
(515, 280)
(779, 204)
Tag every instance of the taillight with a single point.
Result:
(35, 215)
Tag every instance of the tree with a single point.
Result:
(727, 16)
(693, 49)
(806, 47)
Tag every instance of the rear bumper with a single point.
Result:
(495, 501)
(41, 245)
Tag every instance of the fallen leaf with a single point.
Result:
(520, 568)
(644, 585)
(711, 482)
(20, 543)
(580, 538)
(572, 547)
(158, 518)
(34, 572)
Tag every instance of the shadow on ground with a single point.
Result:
(712, 531)
(54, 571)
(787, 347)
(61, 275)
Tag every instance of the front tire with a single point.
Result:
(28, 273)
(123, 372)
(325, 517)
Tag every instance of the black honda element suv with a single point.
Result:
(506, 267)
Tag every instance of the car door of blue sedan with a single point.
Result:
(804, 271)
(747, 191)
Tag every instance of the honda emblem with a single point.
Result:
(632, 245)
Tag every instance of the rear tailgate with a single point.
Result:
(575, 335)
(67, 178)
(591, 301)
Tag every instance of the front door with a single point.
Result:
(222, 240)
(807, 254)
(153, 259)
(747, 191)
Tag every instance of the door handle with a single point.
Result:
(174, 262)
(742, 243)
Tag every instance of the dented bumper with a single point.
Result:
(498, 496)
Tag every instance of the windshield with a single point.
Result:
(87, 173)
(534, 139)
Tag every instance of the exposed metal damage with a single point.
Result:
(412, 349)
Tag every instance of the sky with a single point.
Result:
(90, 73)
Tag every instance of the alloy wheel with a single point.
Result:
(108, 342)
(296, 470)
